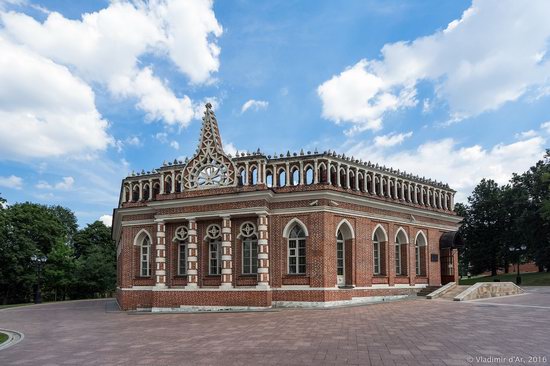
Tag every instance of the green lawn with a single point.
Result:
(527, 279)
(3, 338)
(14, 305)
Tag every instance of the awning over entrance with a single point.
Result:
(451, 239)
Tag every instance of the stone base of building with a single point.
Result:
(246, 299)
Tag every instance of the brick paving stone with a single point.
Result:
(418, 332)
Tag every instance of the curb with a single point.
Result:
(14, 337)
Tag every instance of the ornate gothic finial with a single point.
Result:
(210, 166)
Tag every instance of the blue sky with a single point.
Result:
(89, 91)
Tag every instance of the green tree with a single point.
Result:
(59, 270)
(96, 263)
(536, 183)
(27, 229)
(483, 225)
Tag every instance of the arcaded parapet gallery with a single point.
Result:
(255, 230)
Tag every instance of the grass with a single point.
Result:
(527, 279)
(15, 305)
(3, 337)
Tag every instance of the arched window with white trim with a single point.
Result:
(249, 248)
(253, 175)
(213, 233)
(420, 245)
(180, 237)
(295, 176)
(269, 178)
(379, 239)
(297, 250)
(145, 257)
(309, 175)
(281, 179)
(401, 242)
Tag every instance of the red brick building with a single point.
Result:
(301, 229)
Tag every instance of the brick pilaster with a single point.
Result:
(263, 252)
(412, 261)
(390, 246)
(160, 259)
(192, 253)
(227, 258)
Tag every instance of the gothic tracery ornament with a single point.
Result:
(210, 167)
(182, 233)
(248, 229)
(213, 231)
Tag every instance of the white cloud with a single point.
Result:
(391, 139)
(462, 167)
(546, 126)
(162, 137)
(44, 109)
(104, 47)
(254, 105)
(107, 220)
(175, 145)
(490, 56)
(12, 181)
(526, 134)
(230, 148)
(65, 184)
(133, 141)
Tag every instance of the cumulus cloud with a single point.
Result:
(546, 126)
(255, 105)
(49, 68)
(12, 181)
(230, 149)
(65, 184)
(462, 167)
(493, 54)
(44, 109)
(107, 220)
(391, 139)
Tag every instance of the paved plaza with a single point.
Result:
(413, 332)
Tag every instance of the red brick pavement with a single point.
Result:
(418, 332)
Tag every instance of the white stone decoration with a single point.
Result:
(247, 229)
(210, 167)
(182, 233)
(213, 231)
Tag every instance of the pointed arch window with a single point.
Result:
(297, 251)
(376, 254)
(420, 254)
(340, 254)
(214, 250)
(401, 253)
(145, 257)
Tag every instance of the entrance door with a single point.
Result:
(447, 266)
(340, 260)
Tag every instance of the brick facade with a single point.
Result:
(256, 264)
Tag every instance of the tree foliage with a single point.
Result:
(498, 220)
(81, 263)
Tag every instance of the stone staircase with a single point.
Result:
(449, 295)
(427, 290)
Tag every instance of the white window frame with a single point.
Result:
(398, 268)
(376, 255)
(417, 250)
(340, 241)
(145, 257)
(216, 257)
(250, 268)
(182, 246)
(298, 241)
